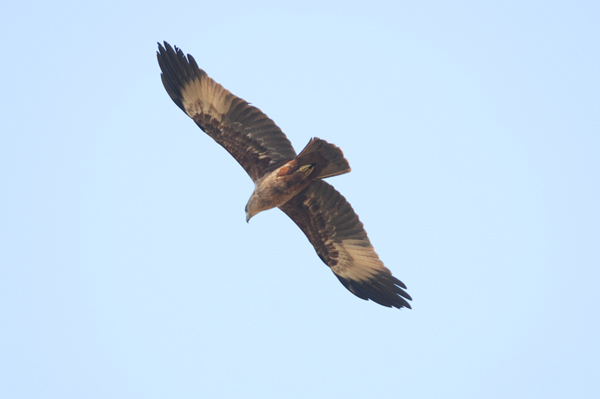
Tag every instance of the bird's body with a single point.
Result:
(318, 160)
(290, 182)
(276, 188)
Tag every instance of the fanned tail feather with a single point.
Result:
(329, 159)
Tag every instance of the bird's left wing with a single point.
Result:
(341, 241)
(243, 130)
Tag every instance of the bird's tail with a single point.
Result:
(327, 158)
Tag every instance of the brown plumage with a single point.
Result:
(282, 179)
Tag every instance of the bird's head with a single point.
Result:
(248, 215)
(252, 207)
(256, 204)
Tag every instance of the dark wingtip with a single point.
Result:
(177, 70)
(383, 291)
(172, 64)
(162, 48)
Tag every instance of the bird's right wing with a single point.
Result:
(243, 130)
(341, 241)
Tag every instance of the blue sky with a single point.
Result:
(127, 269)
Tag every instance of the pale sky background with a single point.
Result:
(127, 269)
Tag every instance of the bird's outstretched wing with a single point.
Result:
(242, 129)
(341, 241)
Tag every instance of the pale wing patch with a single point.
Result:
(205, 96)
(357, 262)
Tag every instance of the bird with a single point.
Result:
(283, 179)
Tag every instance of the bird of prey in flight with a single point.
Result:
(283, 179)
